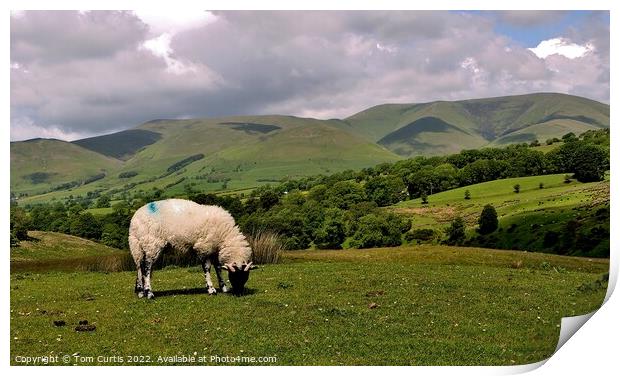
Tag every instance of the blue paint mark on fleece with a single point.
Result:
(152, 207)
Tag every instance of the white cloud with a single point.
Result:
(173, 21)
(166, 25)
(561, 46)
(24, 128)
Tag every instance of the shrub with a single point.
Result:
(19, 225)
(421, 234)
(541, 185)
(377, 230)
(184, 162)
(517, 188)
(467, 195)
(456, 232)
(385, 190)
(127, 175)
(266, 247)
(488, 220)
(331, 234)
(424, 198)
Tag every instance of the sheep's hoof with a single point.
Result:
(141, 294)
(225, 289)
(212, 291)
(150, 295)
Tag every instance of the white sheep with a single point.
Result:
(184, 225)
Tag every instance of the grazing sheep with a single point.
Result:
(184, 225)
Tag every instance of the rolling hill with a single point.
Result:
(441, 127)
(47, 164)
(241, 152)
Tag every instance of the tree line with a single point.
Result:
(341, 210)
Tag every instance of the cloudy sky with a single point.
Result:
(78, 74)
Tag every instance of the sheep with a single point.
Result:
(184, 225)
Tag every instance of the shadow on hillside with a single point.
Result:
(197, 291)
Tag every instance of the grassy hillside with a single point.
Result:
(44, 246)
(55, 251)
(242, 152)
(446, 127)
(238, 153)
(40, 165)
(524, 217)
(427, 305)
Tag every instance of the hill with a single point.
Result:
(242, 152)
(446, 127)
(526, 218)
(41, 165)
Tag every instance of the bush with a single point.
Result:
(456, 232)
(114, 236)
(385, 190)
(19, 225)
(424, 198)
(517, 188)
(422, 234)
(331, 234)
(266, 247)
(127, 175)
(377, 230)
(467, 195)
(488, 220)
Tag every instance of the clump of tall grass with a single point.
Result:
(266, 247)
(108, 263)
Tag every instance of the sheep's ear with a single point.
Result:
(249, 267)
(230, 268)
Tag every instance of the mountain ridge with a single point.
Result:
(243, 151)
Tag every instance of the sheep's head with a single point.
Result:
(238, 276)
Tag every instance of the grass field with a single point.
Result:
(531, 212)
(424, 305)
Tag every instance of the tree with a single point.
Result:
(114, 236)
(103, 202)
(344, 194)
(467, 194)
(19, 224)
(487, 223)
(517, 188)
(379, 230)
(85, 225)
(569, 137)
(385, 190)
(456, 232)
(331, 233)
(424, 198)
(588, 162)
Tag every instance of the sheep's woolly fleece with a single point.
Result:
(185, 225)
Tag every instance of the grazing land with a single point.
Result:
(524, 217)
(421, 305)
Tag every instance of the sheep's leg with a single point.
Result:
(138, 255)
(206, 267)
(139, 289)
(220, 280)
(147, 266)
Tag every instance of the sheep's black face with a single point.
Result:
(238, 276)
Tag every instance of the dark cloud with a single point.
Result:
(58, 36)
(89, 73)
